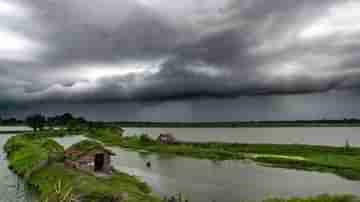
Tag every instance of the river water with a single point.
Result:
(225, 181)
(14, 129)
(335, 136)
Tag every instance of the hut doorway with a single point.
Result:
(99, 162)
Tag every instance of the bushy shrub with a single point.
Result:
(144, 138)
(61, 193)
(320, 198)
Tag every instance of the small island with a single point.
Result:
(56, 173)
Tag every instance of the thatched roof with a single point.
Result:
(84, 147)
(167, 135)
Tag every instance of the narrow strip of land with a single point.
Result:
(343, 161)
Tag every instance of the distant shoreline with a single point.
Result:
(248, 124)
(14, 132)
(267, 124)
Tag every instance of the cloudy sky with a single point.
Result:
(181, 60)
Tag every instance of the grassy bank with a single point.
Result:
(239, 124)
(343, 161)
(40, 160)
(320, 198)
(25, 153)
(92, 188)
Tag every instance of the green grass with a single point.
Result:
(55, 133)
(26, 152)
(93, 188)
(107, 135)
(320, 198)
(86, 145)
(342, 161)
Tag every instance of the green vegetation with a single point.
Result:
(26, 153)
(110, 135)
(320, 198)
(11, 122)
(53, 133)
(37, 121)
(40, 160)
(67, 120)
(86, 145)
(61, 193)
(90, 187)
(343, 161)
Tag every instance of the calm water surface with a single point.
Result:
(296, 135)
(226, 181)
(12, 188)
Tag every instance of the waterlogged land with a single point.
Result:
(39, 161)
(342, 160)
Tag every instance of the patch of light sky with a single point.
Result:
(94, 72)
(340, 20)
(12, 9)
(15, 46)
(287, 70)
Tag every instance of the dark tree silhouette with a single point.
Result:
(36, 121)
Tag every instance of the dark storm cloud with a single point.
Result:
(106, 31)
(109, 50)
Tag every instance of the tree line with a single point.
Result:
(39, 121)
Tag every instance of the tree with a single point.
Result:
(347, 146)
(36, 121)
(146, 139)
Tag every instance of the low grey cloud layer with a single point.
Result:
(124, 50)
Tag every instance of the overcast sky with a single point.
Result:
(181, 60)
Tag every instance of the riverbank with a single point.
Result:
(57, 171)
(320, 198)
(240, 124)
(40, 161)
(342, 161)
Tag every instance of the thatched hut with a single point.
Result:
(90, 156)
(166, 138)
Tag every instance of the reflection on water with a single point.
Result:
(12, 188)
(229, 181)
(225, 181)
